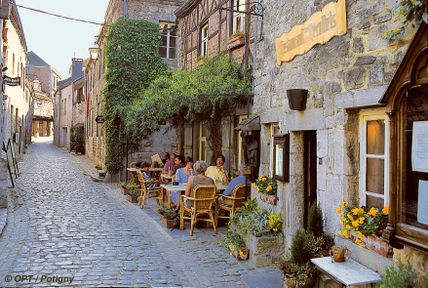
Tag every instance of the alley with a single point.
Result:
(61, 223)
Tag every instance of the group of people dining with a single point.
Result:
(185, 171)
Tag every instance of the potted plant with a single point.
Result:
(235, 244)
(401, 276)
(123, 188)
(297, 268)
(364, 226)
(133, 192)
(315, 226)
(169, 217)
(267, 187)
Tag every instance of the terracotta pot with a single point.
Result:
(124, 191)
(169, 223)
(339, 253)
(132, 199)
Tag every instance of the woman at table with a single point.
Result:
(168, 166)
(182, 176)
(200, 179)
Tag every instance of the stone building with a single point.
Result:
(157, 11)
(64, 97)
(44, 80)
(17, 98)
(206, 29)
(343, 145)
(42, 112)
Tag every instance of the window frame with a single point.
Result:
(203, 40)
(284, 142)
(238, 15)
(366, 116)
(168, 25)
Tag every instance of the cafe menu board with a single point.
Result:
(420, 146)
(423, 202)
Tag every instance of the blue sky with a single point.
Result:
(57, 40)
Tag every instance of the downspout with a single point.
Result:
(125, 9)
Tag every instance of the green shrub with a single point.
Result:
(234, 239)
(133, 189)
(167, 213)
(315, 220)
(305, 246)
(399, 276)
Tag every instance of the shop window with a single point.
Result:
(374, 149)
(203, 50)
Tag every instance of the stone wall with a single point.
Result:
(344, 75)
(418, 260)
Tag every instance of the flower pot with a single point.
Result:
(169, 223)
(297, 98)
(270, 199)
(132, 198)
(124, 190)
(339, 253)
(241, 254)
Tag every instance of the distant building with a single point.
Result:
(42, 113)
(48, 76)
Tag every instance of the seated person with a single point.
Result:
(178, 163)
(200, 179)
(182, 176)
(217, 173)
(144, 170)
(240, 179)
(168, 166)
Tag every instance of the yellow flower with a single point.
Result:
(361, 220)
(358, 241)
(359, 234)
(269, 188)
(241, 253)
(260, 178)
(341, 223)
(348, 226)
(355, 223)
(350, 217)
(372, 211)
(340, 232)
(345, 233)
(343, 203)
(385, 210)
(339, 210)
(355, 211)
(343, 218)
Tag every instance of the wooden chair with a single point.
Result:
(133, 176)
(229, 204)
(149, 192)
(202, 203)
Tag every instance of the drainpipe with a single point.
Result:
(125, 9)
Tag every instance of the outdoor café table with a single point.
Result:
(348, 273)
(131, 169)
(181, 187)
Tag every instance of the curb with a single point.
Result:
(3, 219)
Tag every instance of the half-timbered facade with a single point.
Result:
(206, 29)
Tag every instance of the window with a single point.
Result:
(168, 45)
(238, 18)
(374, 131)
(202, 142)
(281, 157)
(203, 51)
(274, 129)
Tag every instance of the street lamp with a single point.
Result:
(93, 51)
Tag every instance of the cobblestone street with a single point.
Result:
(61, 223)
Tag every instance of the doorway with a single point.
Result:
(310, 171)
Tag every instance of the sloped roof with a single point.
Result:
(76, 69)
(35, 60)
(64, 83)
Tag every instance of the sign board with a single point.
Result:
(318, 29)
(16, 81)
(100, 119)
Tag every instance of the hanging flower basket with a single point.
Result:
(297, 98)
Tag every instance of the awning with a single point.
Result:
(249, 124)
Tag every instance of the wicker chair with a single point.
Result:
(229, 204)
(149, 192)
(202, 203)
(133, 175)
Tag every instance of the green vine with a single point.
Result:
(412, 10)
(207, 93)
(133, 61)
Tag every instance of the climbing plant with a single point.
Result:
(412, 10)
(133, 62)
(205, 94)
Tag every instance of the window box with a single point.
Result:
(236, 40)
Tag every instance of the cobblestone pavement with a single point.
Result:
(63, 224)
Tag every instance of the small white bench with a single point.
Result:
(348, 273)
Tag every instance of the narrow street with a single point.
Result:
(61, 223)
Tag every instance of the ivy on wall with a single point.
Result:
(412, 10)
(205, 94)
(133, 62)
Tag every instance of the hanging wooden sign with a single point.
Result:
(15, 81)
(318, 29)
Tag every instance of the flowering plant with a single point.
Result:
(360, 220)
(266, 185)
